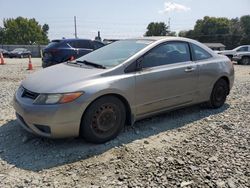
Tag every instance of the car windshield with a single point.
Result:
(115, 53)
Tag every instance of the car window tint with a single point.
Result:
(243, 49)
(80, 44)
(73, 44)
(53, 44)
(200, 53)
(84, 44)
(116, 53)
(169, 53)
(97, 44)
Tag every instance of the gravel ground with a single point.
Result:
(191, 147)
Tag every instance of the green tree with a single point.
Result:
(245, 26)
(45, 28)
(232, 33)
(24, 31)
(158, 29)
(1, 35)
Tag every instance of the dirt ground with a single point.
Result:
(191, 147)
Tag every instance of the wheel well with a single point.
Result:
(228, 83)
(124, 101)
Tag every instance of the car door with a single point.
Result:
(167, 79)
(208, 71)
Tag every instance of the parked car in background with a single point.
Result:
(59, 51)
(20, 53)
(231, 53)
(243, 58)
(96, 95)
(4, 52)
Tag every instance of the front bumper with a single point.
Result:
(53, 121)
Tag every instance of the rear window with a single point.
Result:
(53, 43)
(80, 44)
(199, 53)
(97, 44)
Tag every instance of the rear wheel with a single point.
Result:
(103, 120)
(245, 61)
(219, 94)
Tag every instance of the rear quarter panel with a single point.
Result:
(210, 71)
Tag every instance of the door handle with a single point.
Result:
(189, 69)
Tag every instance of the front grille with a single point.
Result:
(29, 94)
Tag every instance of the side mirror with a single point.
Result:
(139, 64)
(135, 66)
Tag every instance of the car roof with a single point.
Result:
(162, 39)
(168, 38)
(73, 39)
(154, 38)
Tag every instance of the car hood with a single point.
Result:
(60, 78)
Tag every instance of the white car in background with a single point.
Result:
(243, 58)
(231, 53)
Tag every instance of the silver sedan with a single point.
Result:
(99, 93)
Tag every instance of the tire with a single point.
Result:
(219, 94)
(245, 61)
(103, 120)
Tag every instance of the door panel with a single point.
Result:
(168, 78)
(166, 86)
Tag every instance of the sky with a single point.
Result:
(118, 18)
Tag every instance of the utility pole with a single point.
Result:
(169, 23)
(75, 27)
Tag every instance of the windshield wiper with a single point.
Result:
(91, 64)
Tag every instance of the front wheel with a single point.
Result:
(245, 61)
(103, 120)
(219, 94)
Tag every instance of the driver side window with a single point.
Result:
(168, 53)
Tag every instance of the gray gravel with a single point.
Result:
(192, 147)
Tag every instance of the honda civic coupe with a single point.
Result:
(98, 94)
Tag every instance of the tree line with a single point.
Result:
(230, 32)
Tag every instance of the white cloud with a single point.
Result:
(174, 7)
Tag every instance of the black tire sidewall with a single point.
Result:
(86, 130)
(213, 102)
(247, 59)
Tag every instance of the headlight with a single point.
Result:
(57, 98)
